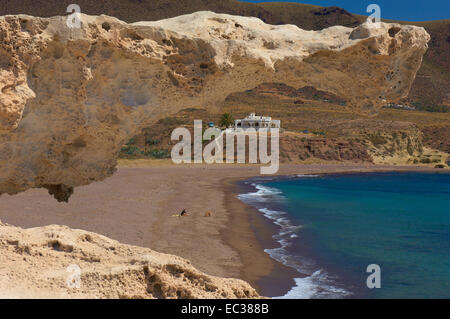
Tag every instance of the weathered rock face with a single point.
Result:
(70, 98)
(34, 265)
(295, 148)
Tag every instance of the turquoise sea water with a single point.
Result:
(331, 227)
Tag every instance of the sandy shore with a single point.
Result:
(136, 206)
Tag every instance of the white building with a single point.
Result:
(257, 122)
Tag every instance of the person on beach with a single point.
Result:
(184, 213)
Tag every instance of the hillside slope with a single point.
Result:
(310, 17)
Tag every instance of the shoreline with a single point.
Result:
(258, 268)
(271, 202)
(281, 275)
(230, 243)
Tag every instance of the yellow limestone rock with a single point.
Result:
(70, 98)
(59, 262)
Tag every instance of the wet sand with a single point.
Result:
(137, 204)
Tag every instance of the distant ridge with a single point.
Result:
(306, 16)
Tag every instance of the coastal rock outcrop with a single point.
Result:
(71, 97)
(59, 262)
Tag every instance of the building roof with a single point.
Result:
(254, 117)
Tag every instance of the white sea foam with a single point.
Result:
(317, 284)
(263, 194)
(286, 227)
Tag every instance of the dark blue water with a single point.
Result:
(332, 227)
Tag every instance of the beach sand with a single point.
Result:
(137, 206)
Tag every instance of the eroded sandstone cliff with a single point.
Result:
(34, 264)
(70, 98)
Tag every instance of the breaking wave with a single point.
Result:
(316, 283)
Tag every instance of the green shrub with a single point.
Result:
(150, 141)
(226, 120)
(428, 107)
(132, 141)
(157, 154)
(130, 150)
